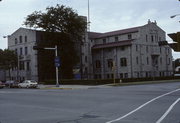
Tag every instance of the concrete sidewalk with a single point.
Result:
(70, 87)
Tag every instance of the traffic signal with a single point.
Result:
(176, 38)
(161, 43)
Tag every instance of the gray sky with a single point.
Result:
(105, 15)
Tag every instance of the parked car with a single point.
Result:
(11, 83)
(28, 84)
(2, 85)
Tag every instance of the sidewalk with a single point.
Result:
(71, 87)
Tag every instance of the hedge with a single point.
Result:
(105, 81)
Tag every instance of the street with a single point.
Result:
(152, 103)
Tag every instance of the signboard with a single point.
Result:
(57, 62)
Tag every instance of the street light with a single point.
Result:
(57, 60)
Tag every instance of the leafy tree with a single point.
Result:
(66, 29)
(8, 60)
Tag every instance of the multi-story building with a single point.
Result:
(131, 53)
(127, 53)
(33, 64)
(22, 42)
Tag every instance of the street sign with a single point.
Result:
(57, 62)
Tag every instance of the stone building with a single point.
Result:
(22, 42)
(130, 53)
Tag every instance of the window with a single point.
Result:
(116, 38)
(147, 60)
(161, 60)
(146, 38)
(26, 50)
(152, 38)
(147, 49)
(20, 39)
(21, 65)
(110, 63)
(86, 59)
(159, 38)
(25, 38)
(16, 41)
(104, 41)
(27, 66)
(126, 75)
(16, 51)
(137, 60)
(122, 48)
(136, 47)
(123, 62)
(121, 75)
(107, 76)
(21, 52)
(160, 49)
(98, 64)
(129, 36)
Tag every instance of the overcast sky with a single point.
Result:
(105, 15)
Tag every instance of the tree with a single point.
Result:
(8, 60)
(63, 27)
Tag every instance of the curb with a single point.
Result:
(56, 88)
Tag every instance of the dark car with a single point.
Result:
(12, 84)
(1, 84)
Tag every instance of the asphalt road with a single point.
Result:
(155, 103)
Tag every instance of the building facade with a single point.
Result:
(131, 53)
(22, 42)
(127, 53)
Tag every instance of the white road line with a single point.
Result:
(120, 118)
(167, 112)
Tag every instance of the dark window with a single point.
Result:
(116, 38)
(126, 75)
(110, 63)
(136, 47)
(159, 38)
(85, 58)
(27, 66)
(98, 64)
(123, 62)
(160, 49)
(137, 60)
(104, 41)
(129, 36)
(16, 51)
(20, 39)
(21, 52)
(121, 75)
(147, 49)
(26, 50)
(25, 38)
(147, 60)
(146, 38)
(107, 76)
(152, 38)
(21, 65)
(123, 48)
(16, 41)
(161, 60)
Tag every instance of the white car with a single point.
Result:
(28, 84)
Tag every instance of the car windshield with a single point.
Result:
(32, 81)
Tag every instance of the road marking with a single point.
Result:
(167, 112)
(120, 118)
